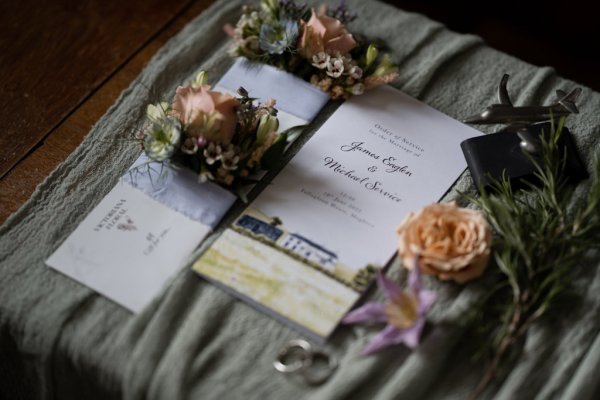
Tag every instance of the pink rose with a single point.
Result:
(205, 113)
(323, 33)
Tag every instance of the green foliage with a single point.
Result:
(294, 132)
(542, 235)
(274, 154)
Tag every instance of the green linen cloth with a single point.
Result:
(60, 340)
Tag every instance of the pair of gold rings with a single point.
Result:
(298, 356)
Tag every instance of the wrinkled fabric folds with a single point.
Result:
(60, 340)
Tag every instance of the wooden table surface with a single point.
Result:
(64, 62)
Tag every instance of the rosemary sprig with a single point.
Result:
(542, 234)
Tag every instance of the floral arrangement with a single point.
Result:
(220, 137)
(314, 45)
(541, 235)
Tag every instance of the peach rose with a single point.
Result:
(206, 113)
(451, 242)
(324, 33)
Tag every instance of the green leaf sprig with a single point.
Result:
(542, 234)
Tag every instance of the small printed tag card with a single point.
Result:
(310, 243)
(146, 227)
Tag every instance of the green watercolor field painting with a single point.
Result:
(282, 283)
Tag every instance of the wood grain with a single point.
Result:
(16, 186)
(56, 53)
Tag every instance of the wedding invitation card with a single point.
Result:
(307, 247)
(145, 228)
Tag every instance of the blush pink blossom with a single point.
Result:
(206, 113)
(325, 34)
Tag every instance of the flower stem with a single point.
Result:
(515, 330)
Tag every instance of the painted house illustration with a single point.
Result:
(310, 250)
(258, 227)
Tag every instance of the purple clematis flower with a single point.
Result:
(404, 312)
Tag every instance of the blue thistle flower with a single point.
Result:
(278, 36)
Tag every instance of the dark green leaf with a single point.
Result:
(274, 153)
(293, 132)
(242, 193)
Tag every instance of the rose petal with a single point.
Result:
(226, 105)
(471, 272)
(317, 24)
(343, 43)
(324, 33)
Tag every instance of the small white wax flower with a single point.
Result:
(139, 134)
(357, 89)
(321, 60)
(229, 159)
(335, 67)
(189, 146)
(348, 62)
(355, 72)
(205, 176)
(230, 163)
(212, 153)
